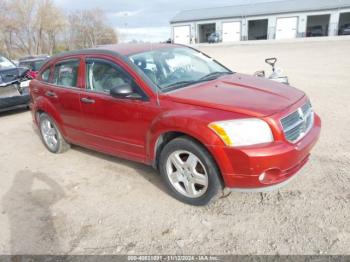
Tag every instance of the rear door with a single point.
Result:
(63, 92)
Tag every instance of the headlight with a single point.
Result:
(243, 132)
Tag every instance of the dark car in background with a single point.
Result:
(345, 30)
(214, 38)
(13, 85)
(316, 30)
(33, 63)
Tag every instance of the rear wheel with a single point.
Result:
(51, 136)
(189, 172)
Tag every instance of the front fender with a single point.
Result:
(193, 122)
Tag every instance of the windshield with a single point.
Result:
(174, 68)
(5, 63)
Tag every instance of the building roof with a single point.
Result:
(254, 9)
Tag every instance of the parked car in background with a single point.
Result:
(14, 91)
(33, 63)
(214, 38)
(315, 31)
(345, 30)
(203, 126)
(16, 62)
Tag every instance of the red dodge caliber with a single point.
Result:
(203, 126)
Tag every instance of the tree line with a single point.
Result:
(32, 27)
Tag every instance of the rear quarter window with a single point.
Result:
(45, 75)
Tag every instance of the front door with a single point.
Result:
(115, 125)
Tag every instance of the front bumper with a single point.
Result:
(255, 168)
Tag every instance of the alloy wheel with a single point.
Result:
(187, 174)
(49, 134)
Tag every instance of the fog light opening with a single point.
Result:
(270, 175)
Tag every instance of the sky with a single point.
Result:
(145, 20)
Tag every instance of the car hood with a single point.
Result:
(240, 93)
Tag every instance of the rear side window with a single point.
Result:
(66, 73)
(45, 76)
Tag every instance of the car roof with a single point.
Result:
(117, 49)
(129, 49)
(120, 50)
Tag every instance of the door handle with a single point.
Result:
(50, 94)
(87, 100)
(35, 90)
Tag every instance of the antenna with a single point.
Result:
(157, 87)
(157, 94)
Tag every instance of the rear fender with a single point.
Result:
(42, 104)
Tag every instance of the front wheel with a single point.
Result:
(189, 172)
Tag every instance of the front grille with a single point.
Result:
(297, 124)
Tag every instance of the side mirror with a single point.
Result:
(124, 91)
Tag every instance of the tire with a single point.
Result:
(189, 172)
(48, 128)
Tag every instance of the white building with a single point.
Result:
(270, 20)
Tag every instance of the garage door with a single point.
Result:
(286, 28)
(231, 31)
(182, 35)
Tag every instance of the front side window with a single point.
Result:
(102, 76)
(66, 73)
(5, 63)
(177, 67)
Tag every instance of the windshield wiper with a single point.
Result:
(213, 75)
(208, 77)
(179, 84)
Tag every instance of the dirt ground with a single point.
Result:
(83, 202)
